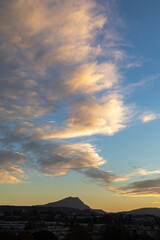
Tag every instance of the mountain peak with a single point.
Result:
(70, 202)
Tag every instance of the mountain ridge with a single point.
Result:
(144, 211)
(74, 204)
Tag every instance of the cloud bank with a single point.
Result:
(49, 61)
(59, 81)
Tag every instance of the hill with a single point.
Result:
(144, 211)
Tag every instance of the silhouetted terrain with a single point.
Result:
(72, 202)
(68, 205)
(71, 205)
(66, 223)
(144, 211)
(69, 202)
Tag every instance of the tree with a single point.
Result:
(115, 231)
(78, 232)
(44, 235)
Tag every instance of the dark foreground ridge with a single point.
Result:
(71, 219)
(67, 205)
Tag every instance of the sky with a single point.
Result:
(79, 102)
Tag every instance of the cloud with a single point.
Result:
(39, 37)
(134, 65)
(59, 159)
(57, 59)
(144, 82)
(49, 55)
(26, 22)
(147, 117)
(56, 159)
(10, 170)
(142, 188)
(138, 172)
(92, 78)
(110, 188)
(98, 174)
(119, 55)
(137, 188)
(8, 157)
(5, 177)
(91, 116)
(53, 159)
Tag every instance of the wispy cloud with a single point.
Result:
(37, 38)
(98, 174)
(90, 78)
(50, 60)
(10, 162)
(91, 116)
(144, 82)
(147, 187)
(60, 159)
(149, 116)
(49, 158)
(138, 172)
(134, 65)
(6, 177)
(142, 188)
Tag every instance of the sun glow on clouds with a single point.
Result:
(138, 172)
(93, 116)
(9, 166)
(50, 55)
(65, 157)
(138, 188)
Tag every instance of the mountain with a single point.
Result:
(67, 205)
(73, 203)
(144, 211)
(69, 202)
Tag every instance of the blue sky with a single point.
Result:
(80, 102)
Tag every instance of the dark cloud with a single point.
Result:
(142, 188)
(8, 157)
(98, 174)
(50, 158)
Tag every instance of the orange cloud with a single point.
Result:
(90, 78)
(138, 172)
(10, 172)
(142, 188)
(93, 116)
(5, 177)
